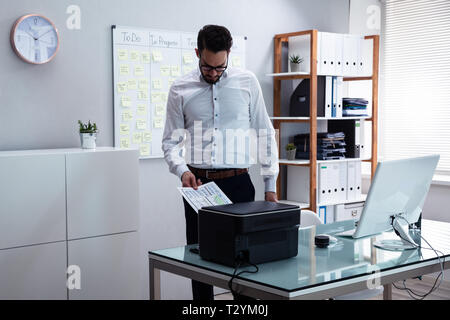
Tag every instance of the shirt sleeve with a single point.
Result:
(173, 136)
(267, 145)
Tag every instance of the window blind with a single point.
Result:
(415, 113)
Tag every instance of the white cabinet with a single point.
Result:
(33, 204)
(108, 266)
(66, 207)
(34, 272)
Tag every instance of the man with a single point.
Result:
(207, 110)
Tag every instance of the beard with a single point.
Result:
(211, 80)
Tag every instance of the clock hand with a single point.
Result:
(44, 33)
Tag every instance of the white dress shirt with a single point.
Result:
(219, 126)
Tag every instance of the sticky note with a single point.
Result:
(141, 124)
(147, 136)
(132, 84)
(141, 110)
(134, 55)
(144, 149)
(125, 101)
(127, 115)
(157, 84)
(145, 57)
(124, 129)
(187, 69)
(156, 97)
(164, 96)
(187, 58)
(158, 122)
(157, 56)
(124, 69)
(122, 87)
(143, 84)
(165, 70)
(142, 95)
(139, 70)
(236, 61)
(175, 71)
(137, 137)
(124, 142)
(122, 54)
(159, 109)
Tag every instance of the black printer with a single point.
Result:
(255, 232)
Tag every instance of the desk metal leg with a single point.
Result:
(155, 281)
(387, 293)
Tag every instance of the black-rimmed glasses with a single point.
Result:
(208, 68)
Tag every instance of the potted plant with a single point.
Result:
(290, 151)
(88, 134)
(295, 62)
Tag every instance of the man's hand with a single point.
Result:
(271, 196)
(188, 180)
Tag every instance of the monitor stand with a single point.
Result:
(405, 242)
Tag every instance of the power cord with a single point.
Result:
(440, 277)
(241, 261)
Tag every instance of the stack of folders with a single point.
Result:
(354, 107)
(330, 146)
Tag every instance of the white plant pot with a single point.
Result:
(295, 67)
(88, 140)
(290, 154)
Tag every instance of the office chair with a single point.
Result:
(309, 218)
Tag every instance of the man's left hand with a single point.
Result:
(271, 196)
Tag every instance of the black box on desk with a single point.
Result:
(255, 232)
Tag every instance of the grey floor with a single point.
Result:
(418, 286)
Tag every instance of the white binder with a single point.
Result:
(328, 92)
(351, 180)
(324, 190)
(346, 57)
(354, 40)
(319, 54)
(339, 90)
(339, 51)
(328, 53)
(358, 180)
(360, 57)
(342, 191)
(333, 181)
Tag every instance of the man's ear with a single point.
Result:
(197, 53)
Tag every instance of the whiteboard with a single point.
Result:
(145, 64)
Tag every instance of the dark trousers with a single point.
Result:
(238, 189)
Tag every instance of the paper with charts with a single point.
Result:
(206, 195)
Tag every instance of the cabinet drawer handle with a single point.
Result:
(354, 213)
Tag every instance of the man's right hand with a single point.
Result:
(188, 180)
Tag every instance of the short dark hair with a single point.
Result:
(214, 38)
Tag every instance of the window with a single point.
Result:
(415, 111)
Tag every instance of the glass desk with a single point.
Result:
(349, 265)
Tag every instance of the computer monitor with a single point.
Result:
(396, 198)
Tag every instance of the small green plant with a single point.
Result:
(290, 146)
(87, 128)
(295, 59)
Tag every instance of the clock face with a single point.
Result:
(35, 39)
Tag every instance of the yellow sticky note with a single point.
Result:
(147, 136)
(159, 109)
(175, 71)
(134, 55)
(124, 129)
(142, 95)
(124, 70)
(127, 115)
(143, 84)
(156, 97)
(122, 54)
(139, 70)
(137, 137)
(125, 101)
(157, 56)
(157, 84)
(132, 84)
(121, 87)
(124, 142)
(158, 122)
(141, 110)
(187, 69)
(165, 70)
(164, 96)
(145, 149)
(141, 124)
(236, 61)
(187, 58)
(145, 57)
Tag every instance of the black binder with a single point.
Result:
(299, 104)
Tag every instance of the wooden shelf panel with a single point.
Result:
(307, 119)
(304, 162)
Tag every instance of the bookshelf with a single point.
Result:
(280, 75)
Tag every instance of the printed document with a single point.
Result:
(206, 195)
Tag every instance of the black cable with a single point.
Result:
(240, 261)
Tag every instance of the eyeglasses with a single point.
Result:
(208, 68)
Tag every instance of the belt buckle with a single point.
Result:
(208, 171)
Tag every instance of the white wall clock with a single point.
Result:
(35, 39)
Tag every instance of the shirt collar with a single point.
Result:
(224, 76)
